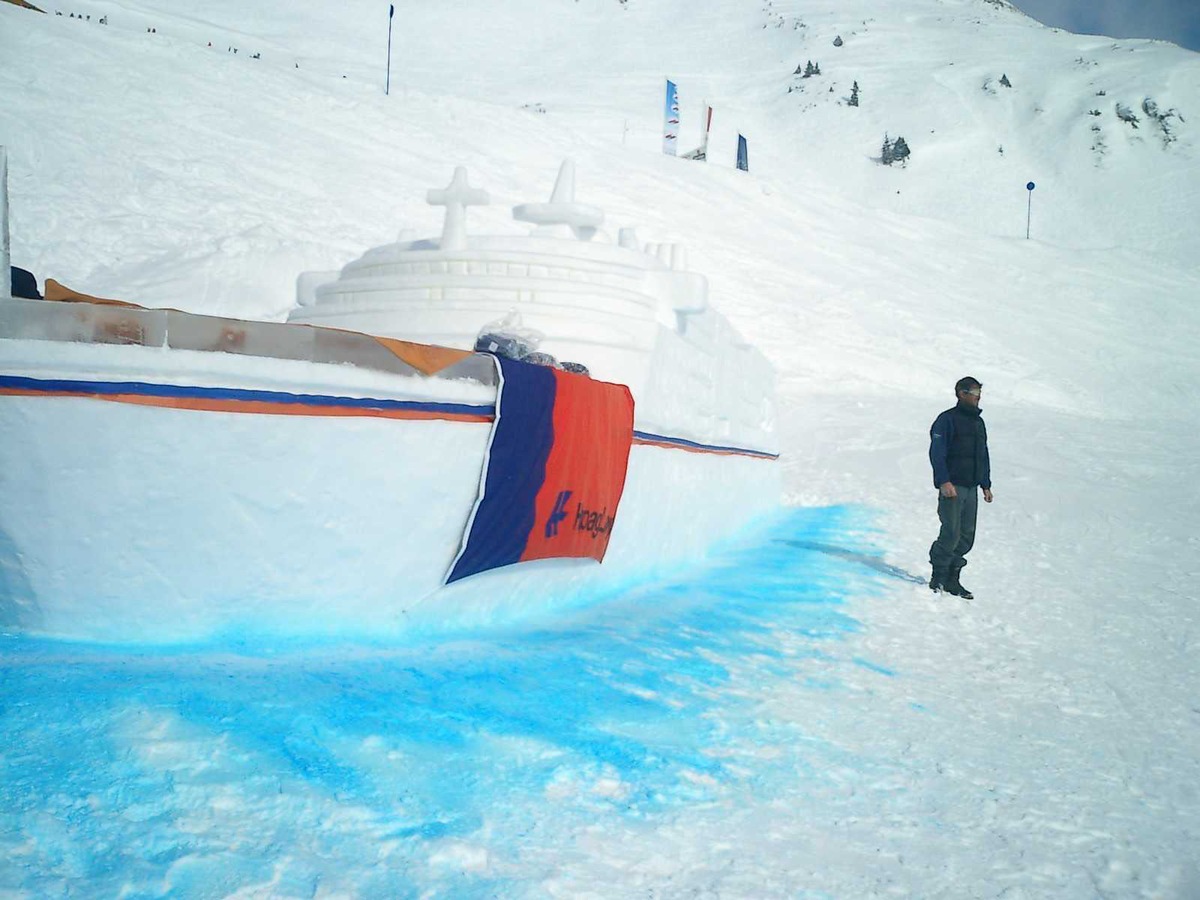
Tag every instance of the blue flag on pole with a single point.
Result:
(743, 159)
(670, 119)
(391, 10)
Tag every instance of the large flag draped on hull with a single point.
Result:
(671, 120)
(555, 470)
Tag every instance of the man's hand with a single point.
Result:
(947, 489)
(987, 495)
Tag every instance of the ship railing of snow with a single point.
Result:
(89, 323)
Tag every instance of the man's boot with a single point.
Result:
(937, 582)
(954, 586)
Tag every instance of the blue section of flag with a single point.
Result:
(522, 438)
(743, 157)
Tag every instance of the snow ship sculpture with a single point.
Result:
(171, 476)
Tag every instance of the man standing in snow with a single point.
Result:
(959, 453)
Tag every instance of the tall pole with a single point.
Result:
(5, 256)
(1029, 208)
(387, 85)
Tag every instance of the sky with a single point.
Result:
(1168, 20)
(795, 716)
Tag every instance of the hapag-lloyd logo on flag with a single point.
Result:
(588, 521)
(594, 522)
(557, 514)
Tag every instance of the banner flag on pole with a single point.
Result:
(671, 119)
(743, 157)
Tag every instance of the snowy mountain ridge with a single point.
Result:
(1082, 117)
(989, 100)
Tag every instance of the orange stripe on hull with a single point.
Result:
(257, 407)
(711, 451)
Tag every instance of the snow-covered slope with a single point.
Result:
(1059, 759)
(306, 124)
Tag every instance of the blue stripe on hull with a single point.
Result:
(145, 389)
(24, 385)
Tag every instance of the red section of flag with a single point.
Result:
(585, 471)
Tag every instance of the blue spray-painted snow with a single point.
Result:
(387, 771)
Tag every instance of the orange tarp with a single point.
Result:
(56, 291)
(425, 358)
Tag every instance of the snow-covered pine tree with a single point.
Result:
(900, 151)
(853, 101)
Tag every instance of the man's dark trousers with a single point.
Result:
(957, 536)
